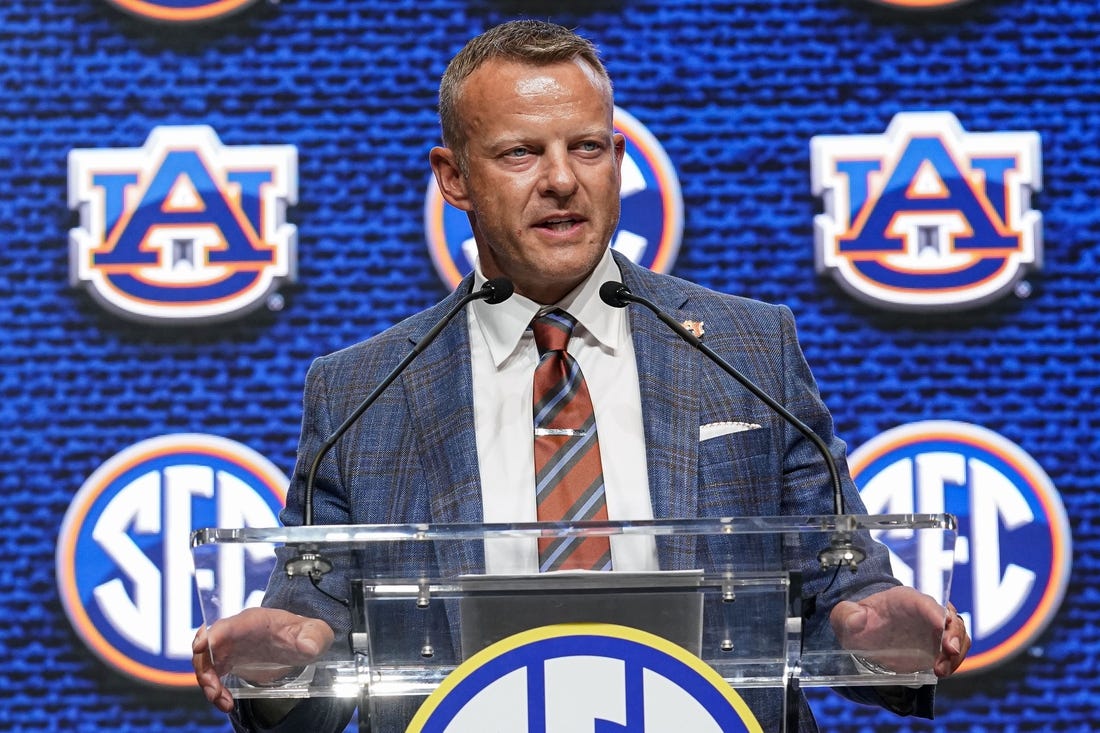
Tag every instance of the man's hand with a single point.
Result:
(903, 630)
(259, 645)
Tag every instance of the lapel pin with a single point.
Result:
(695, 327)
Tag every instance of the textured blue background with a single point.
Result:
(734, 90)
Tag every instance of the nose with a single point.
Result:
(558, 178)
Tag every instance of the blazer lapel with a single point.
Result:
(668, 378)
(439, 387)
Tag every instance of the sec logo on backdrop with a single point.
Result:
(927, 216)
(584, 677)
(1013, 554)
(124, 568)
(651, 223)
(181, 11)
(183, 229)
(921, 4)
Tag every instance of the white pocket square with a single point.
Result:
(717, 429)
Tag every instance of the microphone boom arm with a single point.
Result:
(309, 561)
(841, 551)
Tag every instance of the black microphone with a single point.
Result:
(840, 551)
(309, 561)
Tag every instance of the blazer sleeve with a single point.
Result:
(807, 490)
(320, 715)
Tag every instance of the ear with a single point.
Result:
(619, 141)
(449, 178)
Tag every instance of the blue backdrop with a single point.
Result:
(733, 89)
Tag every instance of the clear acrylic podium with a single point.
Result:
(410, 603)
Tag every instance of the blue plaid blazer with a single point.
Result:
(412, 456)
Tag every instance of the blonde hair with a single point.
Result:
(533, 42)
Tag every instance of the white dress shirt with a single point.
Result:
(503, 360)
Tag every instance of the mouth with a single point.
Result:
(560, 223)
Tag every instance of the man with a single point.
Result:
(531, 155)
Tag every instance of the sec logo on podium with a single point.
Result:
(582, 677)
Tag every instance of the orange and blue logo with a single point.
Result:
(1013, 554)
(651, 222)
(921, 4)
(124, 568)
(927, 216)
(576, 677)
(181, 11)
(183, 229)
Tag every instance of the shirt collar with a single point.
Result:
(504, 324)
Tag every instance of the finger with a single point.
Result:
(943, 668)
(200, 659)
(955, 638)
(952, 653)
(302, 642)
(946, 666)
(315, 637)
(950, 639)
(848, 617)
(308, 647)
(210, 683)
(963, 637)
(293, 645)
(305, 639)
(211, 686)
(201, 641)
(212, 693)
(204, 671)
(946, 662)
(224, 701)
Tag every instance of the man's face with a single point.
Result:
(541, 184)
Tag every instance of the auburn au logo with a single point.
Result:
(183, 229)
(1013, 556)
(927, 216)
(181, 11)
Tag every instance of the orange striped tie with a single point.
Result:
(568, 472)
